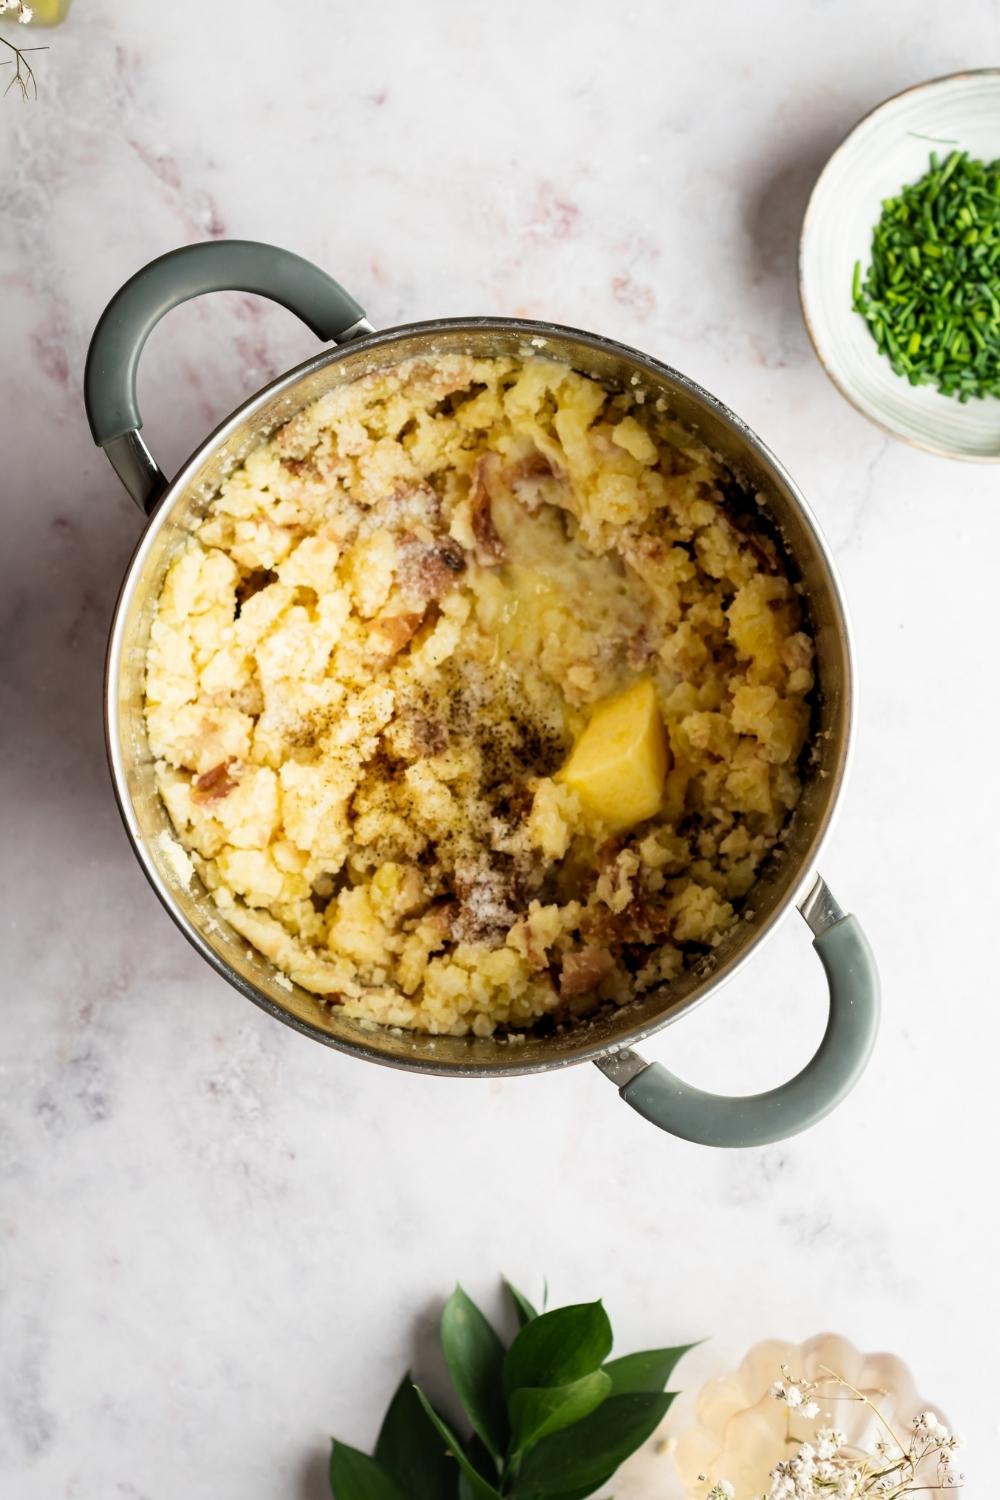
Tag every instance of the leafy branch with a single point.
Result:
(552, 1417)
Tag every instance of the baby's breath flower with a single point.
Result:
(722, 1491)
(23, 78)
(793, 1393)
(822, 1470)
(828, 1440)
(926, 1425)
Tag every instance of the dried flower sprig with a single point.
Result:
(24, 74)
(827, 1469)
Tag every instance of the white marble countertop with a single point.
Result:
(218, 1241)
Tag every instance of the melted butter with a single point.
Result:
(541, 607)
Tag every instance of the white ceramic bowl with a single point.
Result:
(889, 147)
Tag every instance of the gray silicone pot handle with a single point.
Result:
(135, 310)
(759, 1119)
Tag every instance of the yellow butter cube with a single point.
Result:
(618, 765)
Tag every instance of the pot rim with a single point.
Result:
(798, 886)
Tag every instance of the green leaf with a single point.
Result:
(588, 1489)
(578, 1460)
(477, 1487)
(355, 1476)
(559, 1347)
(648, 1370)
(474, 1356)
(535, 1412)
(482, 1461)
(523, 1308)
(411, 1451)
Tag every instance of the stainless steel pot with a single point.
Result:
(172, 506)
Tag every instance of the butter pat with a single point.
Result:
(619, 764)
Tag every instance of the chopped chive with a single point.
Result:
(931, 293)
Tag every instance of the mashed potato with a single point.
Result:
(373, 659)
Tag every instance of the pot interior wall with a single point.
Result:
(760, 481)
